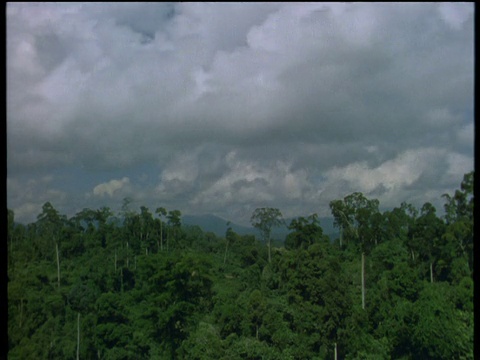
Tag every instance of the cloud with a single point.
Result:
(455, 16)
(248, 184)
(111, 187)
(228, 105)
(465, 135)
(28, 196)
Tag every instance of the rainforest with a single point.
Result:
(139, 284)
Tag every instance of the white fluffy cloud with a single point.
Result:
(109, 188)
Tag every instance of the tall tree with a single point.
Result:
(428, 232)
(343, 219)
(460, 205)
(50, 223)
(264, 219)
(131, 226)
(411, 214)
(459, 219)
(161, 211)
(174, 221)
(101, 216)
(306, 231)
(230, 237)
(360, 216)
(146, 227)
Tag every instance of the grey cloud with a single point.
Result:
(318, 88)
(245, 184)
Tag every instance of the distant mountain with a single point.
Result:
(217, 225)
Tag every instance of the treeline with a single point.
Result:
(140, 285)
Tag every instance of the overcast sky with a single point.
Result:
(222, 107)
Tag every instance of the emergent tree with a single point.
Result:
(264, 219)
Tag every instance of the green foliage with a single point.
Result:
(231, 298)
(264, 219)
(437, 319)
(305, 232)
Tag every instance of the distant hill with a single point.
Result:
(217, 225)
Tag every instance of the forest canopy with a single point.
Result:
(396, 284)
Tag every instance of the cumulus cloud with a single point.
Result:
(221, 105)
(109, 188)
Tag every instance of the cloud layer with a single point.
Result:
(224, 107)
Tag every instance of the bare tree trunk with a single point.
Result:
(127, 254)
(11, 246)
(161, 236)
(431, 272)
(269, 244)
(21, 312)
(363, 280)
(78, 336)
(465, 256)
(58, 264)
(225, 256)
(335, 352)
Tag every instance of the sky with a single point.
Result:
(221, 108)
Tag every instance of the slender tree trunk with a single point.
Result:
(269, 245)
(225, 256)
(431, 272)
(127, 254)
(468, 263)
(21, 313)
(58, 264)
(335, 352)
(363, 280)
(464, 253)
(413, 256)
(78, 337)
(161, 236)
(341, 237)
(11, 246)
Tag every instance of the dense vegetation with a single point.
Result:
(138, 285)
